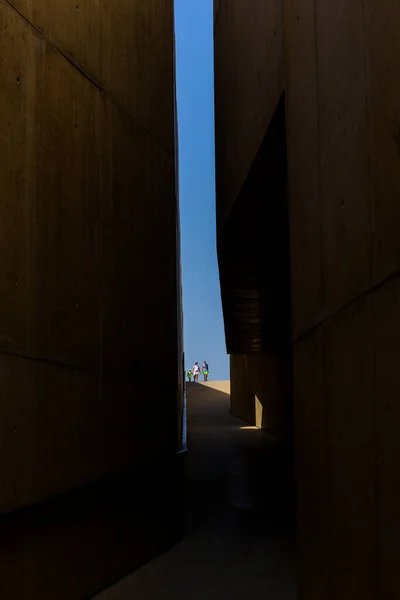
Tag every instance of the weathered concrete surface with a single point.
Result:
(250, 33)
(89, 276)
(125, 48)
(87, 203)
(311, 465)
(352, 238)
(261, 392)
(344, 184)
(253, 253)
(386, 432)
(303, 159)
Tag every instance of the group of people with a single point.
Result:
(195, 371)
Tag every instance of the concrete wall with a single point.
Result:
(345, 212)
(261, 392)
(250, 33)
(341, 64)
(88, 238)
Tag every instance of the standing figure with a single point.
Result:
(204, 370)
(189, 375)
(196, 372)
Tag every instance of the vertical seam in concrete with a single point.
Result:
(375, 402)
(376, 454)
(327, 517)
(101, 235)
(321, 222)
(326, 509)
(367, 121)
(30, 160)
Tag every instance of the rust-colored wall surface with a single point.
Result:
(341, 64)
(89, 276)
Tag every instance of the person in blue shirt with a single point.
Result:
(205, 370)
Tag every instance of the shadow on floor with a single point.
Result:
(234, 466)
(78, 543)
(239, 499)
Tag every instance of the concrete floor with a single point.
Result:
(239, 504)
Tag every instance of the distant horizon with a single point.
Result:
(204, 337)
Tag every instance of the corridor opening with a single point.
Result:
(254, 262)
(237, 543)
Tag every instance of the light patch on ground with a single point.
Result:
(221, 386)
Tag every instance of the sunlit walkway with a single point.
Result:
(239, 540)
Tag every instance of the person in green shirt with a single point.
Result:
(189, 375)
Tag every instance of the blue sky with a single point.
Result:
(203, 324)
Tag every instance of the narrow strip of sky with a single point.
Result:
(203, 324)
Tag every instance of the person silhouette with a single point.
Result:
(205, 370)
(196, 372)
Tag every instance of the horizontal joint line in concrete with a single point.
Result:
(329, 314)
(86, 75)
(46, 361)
